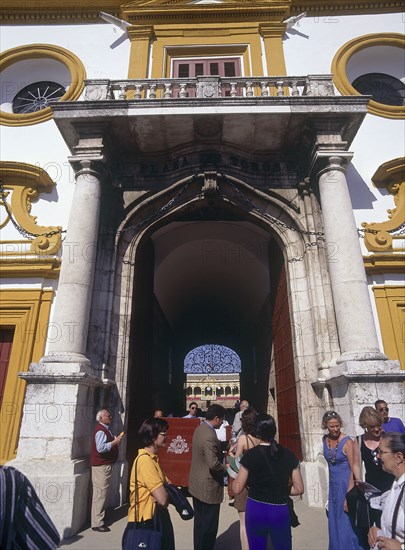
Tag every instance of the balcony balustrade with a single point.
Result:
(209, 87)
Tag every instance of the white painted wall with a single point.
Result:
(379, 139)
(309, 52)
(42, 144)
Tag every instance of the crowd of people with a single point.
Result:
(269, 474)
(382, 453)
(368, 470)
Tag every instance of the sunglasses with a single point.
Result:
(381, 409)
(193, 408)
(375, 456)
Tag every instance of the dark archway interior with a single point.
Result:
(197, 282)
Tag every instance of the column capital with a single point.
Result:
(328, 157)
(272, 29)
(92, 152)
(85, 166)
(140, 32)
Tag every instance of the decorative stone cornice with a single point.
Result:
(42, 12)
(390, 176)
(343, 7)
(50, 12)
(181, 11)
(26, 182)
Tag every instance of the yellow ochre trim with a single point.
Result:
(26, 182)
(391, 176)
(25, 266)
(390, 302)
(40, 51)
(384, 263)
(27, 312)
(339, 66)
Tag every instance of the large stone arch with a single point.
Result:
(312, 318)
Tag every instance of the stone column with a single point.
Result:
(354, 317)
(63, 389)
(73, 300)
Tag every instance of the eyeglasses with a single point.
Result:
(163, 433)
(380, 452)
(381, 409)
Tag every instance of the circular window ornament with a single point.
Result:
(37, 96)
(38, 55)
(386, 89)
(383, 88)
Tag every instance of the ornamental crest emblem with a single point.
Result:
(178, 446)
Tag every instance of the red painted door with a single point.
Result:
(288, 425)
(6, 343)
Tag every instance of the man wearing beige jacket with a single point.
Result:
(206, 479)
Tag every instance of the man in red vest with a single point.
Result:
(104, 452)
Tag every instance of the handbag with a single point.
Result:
(358, 508)
(294, 521)
(137, 537)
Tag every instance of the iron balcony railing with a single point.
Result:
(207, 87)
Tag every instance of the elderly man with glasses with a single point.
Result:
(390, 423)
(193, 409)
(237, 423)
(104, 452)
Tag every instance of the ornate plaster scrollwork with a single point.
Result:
(391, 176)
(210, 187)
(24, 182)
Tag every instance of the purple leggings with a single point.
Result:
(263, 520)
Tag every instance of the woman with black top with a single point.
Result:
(366, 452)
(267, 470)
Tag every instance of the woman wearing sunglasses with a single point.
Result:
(338, 453)
(391, 536)
(366, 453)
(147, 486)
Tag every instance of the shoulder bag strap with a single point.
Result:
(155, 518)
(396, 512)
(136, 490)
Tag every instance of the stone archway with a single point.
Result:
(172, 300)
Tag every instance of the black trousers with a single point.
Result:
(206, 519)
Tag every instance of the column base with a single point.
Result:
(63, 487)
(54, 446)
(355, 384)
(361, 355)
(65, 357)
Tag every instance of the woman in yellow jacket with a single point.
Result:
(147, 485)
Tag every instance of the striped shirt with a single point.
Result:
(24, 524)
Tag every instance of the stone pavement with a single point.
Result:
(312, 534)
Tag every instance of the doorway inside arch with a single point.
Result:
(212, 376)
(212, 280)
